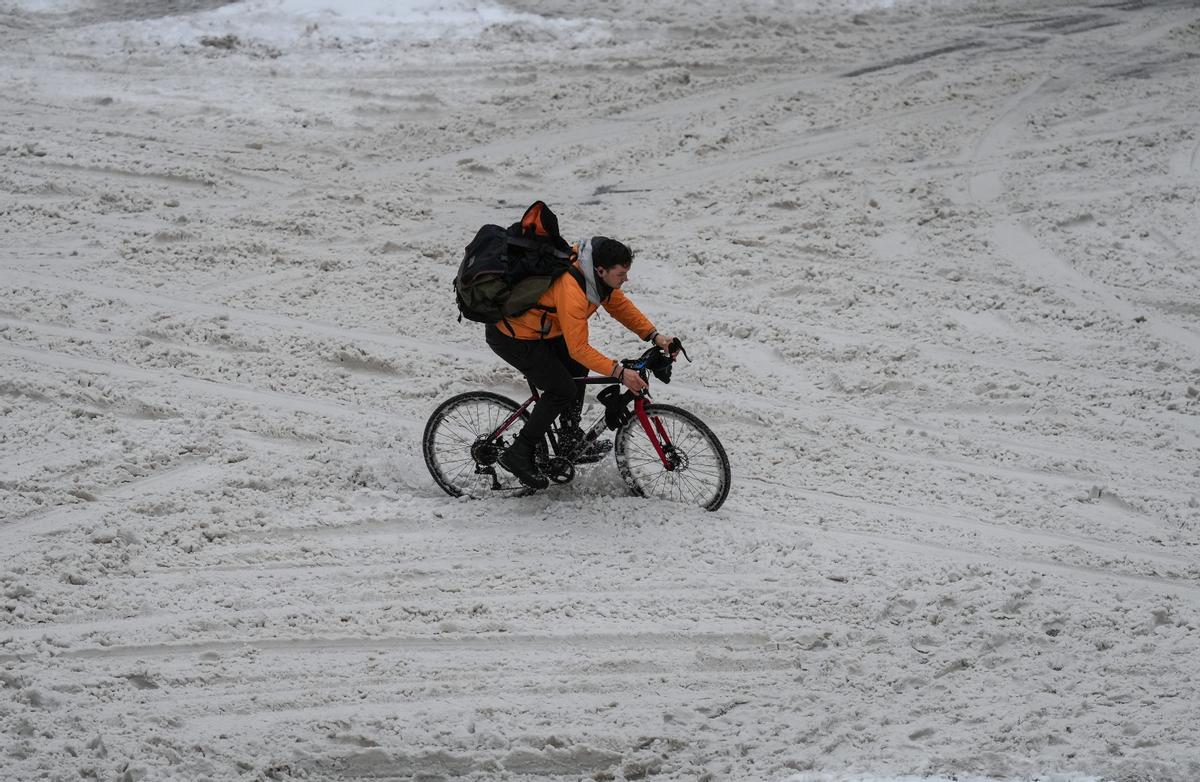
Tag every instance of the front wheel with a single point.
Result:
(701, 468)
(459, 451)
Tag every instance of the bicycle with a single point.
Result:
(661, 450)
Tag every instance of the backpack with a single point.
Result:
(505, 271)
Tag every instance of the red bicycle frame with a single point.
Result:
(652, 425)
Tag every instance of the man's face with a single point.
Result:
(614, 276)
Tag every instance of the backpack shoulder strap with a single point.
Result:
(574, 271)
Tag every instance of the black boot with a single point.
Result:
(518, 459)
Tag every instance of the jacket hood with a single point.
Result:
(596, 290)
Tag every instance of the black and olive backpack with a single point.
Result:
(505, 271)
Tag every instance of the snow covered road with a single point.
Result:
(936, 266)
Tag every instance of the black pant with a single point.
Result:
(548, 365)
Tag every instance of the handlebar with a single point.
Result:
(657, 361)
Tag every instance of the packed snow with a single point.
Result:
(935, 263)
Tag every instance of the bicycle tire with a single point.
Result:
(702, 479)
(451, 432)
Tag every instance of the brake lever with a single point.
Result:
(677, 347)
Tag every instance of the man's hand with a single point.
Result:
(632, 380)
(663, 342)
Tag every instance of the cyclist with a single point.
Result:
(549, 345)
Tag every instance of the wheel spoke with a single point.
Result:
(460, 472)
(697, 487)
(451, 436)
(702, 472)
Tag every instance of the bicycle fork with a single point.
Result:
(656, 432)
(651, 425)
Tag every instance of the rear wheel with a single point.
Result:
(458, 450)
(701, 468)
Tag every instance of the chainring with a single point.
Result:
(559, 470)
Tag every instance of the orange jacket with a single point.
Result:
(570, 319)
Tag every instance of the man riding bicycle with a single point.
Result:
(549, 345)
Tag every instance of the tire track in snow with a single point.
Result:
(1185, 164)
(313, 696)
(1016, 242)
(1003, 533)
(256, 700)
(986, 186)
(338, 587)
(616, 127)
(685, 170)
(1069, 572)
(189, 473)
(930, 350)
(910, 59)
(773, 409)
(175, 304)
(73, 335)
(205, 388)
(681, 171)
(690, 173)
(231, 287)
(484, 643)
(170, 376)
(1155, 30)
(168, 179)
(768, 402)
